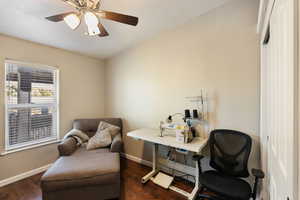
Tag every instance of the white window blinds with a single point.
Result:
(31, 104)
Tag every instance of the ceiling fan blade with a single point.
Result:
(103, 32)
(126, 19)
(73, 3)
(97, 4)
(59, 17)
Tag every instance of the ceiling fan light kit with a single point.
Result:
(90, 10)
(72, 20)
(92, 22)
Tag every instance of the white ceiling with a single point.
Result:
(26, 19)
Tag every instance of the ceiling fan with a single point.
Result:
(90, 11)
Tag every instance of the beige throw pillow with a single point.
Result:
(113, 130)
(99, 140)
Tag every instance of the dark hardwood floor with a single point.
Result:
(132, 189)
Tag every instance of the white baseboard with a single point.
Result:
(162, 165)
(44, 168)
(136, 159)
(24, 175)
(33, 172)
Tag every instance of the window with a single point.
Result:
(31, 103)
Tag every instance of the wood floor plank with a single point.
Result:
(132, 188)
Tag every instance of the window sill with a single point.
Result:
(29, 147)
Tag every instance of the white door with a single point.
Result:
(278, 82)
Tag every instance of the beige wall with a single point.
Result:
(218, 52)
(298, 62)
(81, 95)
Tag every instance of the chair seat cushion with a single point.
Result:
(82, 169)
(226, 186)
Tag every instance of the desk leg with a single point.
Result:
(194, 193)
(154, 164)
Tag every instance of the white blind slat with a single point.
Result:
(31, 104)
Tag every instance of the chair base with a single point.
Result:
(202, 196)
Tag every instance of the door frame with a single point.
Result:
(263, 137)
(265, 12)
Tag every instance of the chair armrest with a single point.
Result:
(258, 173)
(67, 146)
(117, 143)
(198, 157)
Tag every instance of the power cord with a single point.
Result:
(172, 152)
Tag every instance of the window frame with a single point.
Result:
(36, 143)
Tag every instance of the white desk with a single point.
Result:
(169, 139)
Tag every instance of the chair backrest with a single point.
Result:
(230, 152)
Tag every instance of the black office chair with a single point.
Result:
(230, 152)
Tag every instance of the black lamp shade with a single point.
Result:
(195, 114)
(187, 114)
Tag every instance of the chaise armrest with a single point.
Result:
(67, 146)
(117, 143)
(258, 173)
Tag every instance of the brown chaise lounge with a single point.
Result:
(80, 174)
